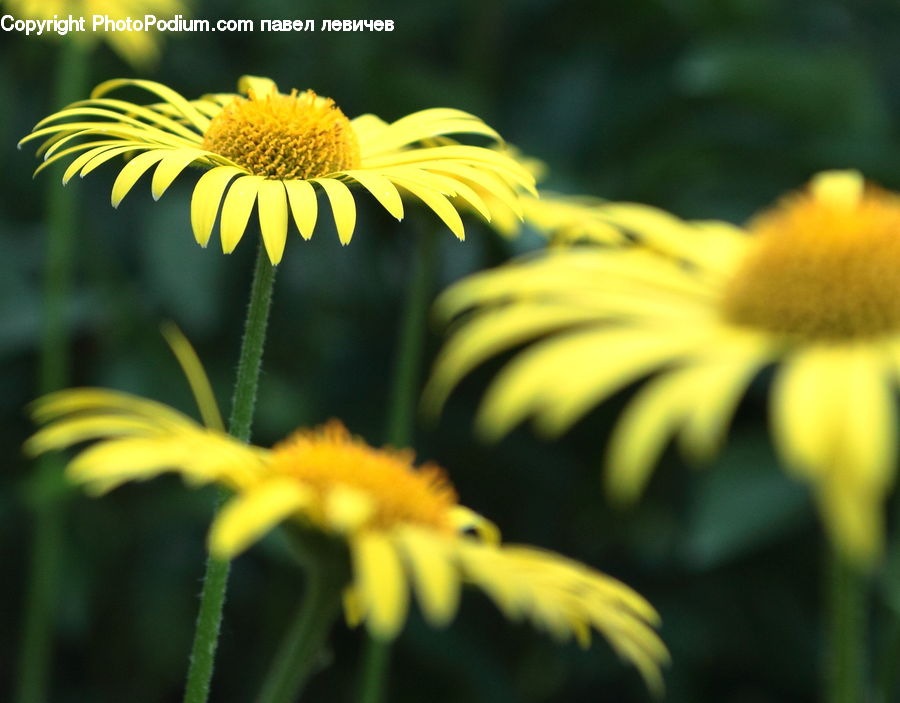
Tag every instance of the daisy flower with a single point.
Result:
(810, 286)
(276, 150)
(401, 526)
(140, 49)
(564, 219)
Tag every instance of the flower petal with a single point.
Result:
(247, 518)
(174, 163)
(381, 582)
(236, 210)
(384, 191)
(342, 205)
(132, 171)
(442, 207)
(206, 198)
(435, 576)
(304, 206)
(273, 218)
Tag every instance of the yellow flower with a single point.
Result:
(567, 219)
(563, 219)
(402, 526)
(140, 49)
(812, 284)
(271, 148)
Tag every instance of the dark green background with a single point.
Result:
(710, 108)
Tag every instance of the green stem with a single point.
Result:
(404, 394)
(301, 647)
(846, 664)
(215, 580)
(53, 374)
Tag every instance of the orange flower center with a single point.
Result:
(330, 460)
(824, 265)
(284, 137)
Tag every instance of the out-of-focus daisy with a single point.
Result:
(276, 150)
(563, 219)
(811, 285)
(402, 526)
(140, 49)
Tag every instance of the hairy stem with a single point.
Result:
(215, 580)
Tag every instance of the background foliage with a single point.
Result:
(710, 108)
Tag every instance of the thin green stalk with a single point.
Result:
(301, 647)
(53, 374)
(404, 396)
(215, 580)
(846, 664)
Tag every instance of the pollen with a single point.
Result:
(284, 137)
(330, 461)
(824, 264)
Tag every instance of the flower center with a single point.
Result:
(284, 137)
(824, 264)
(330, 461)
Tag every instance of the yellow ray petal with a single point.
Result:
(273, 218)
(236, 210)
(381, 582)
(183, 106)
(174, 163)
(260, 87)
(384, 191)
(434, 574)
(247, 518)
(206, 198)
(132, 171)
(437, 202)
(304, 206)
(343, 207)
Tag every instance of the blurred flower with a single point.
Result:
(563, 219)
(140, 49)
(271, 148)
(568, 219)
(812, 283)
(402, 525)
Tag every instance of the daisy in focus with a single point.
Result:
(811, 285)
(402, 526)
(140, 49)
(275, 151)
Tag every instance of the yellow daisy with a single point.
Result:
(402, 526)
(272, 148)
(140, 49)
(564, 219)
(568, 219)
(812, 284)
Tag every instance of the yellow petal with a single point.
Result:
(273, 218)
(174, 163)
(132, 171)
(236, 210)
(304, 206)
(842, 189)
(437, 202)
(342, 206)
(248, 517)
(347, 509)
(384, 191)
(381, 582)
(257, 85)
(435, 576)
(206, 198)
